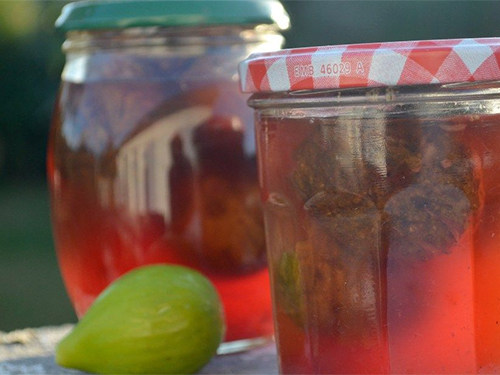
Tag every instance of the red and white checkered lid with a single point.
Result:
(372, 65)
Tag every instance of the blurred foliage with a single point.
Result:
(31, 291)
(319, 22)
(31, 61)
(31, 58)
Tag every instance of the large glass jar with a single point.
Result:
(379, 169)
(152, 154)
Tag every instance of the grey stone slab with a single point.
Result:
(31, 351)
(43, 365)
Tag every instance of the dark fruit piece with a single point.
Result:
(425, 220)
(370, 187)
(344, 165)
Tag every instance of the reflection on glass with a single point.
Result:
(144, 174)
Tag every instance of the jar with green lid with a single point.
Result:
(152, 156)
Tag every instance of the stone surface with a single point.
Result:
(31, 351)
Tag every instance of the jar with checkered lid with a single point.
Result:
(379, 167)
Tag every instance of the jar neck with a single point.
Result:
(174, 37)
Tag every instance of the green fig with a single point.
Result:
(153, 320)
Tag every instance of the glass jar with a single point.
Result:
(378, 169)
(152, 155)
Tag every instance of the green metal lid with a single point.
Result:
(120, 14)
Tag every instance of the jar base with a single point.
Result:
(239, 346)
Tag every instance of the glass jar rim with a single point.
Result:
(178, 37)
(439, 99)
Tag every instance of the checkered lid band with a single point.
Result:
(372, 65)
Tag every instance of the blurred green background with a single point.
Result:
(31, 290)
